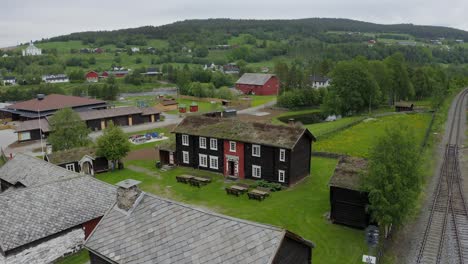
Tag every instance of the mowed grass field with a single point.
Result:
(357, 140)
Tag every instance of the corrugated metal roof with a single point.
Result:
(254, 78)
(54, 102)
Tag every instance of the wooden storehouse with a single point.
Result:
(244, 150)
(403, 107)
(167, 152)
(82, 160)
(348, 202)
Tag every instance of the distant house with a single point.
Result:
(48, 221)
(98, 50)
(403, 106)
(92, 76)
(407, 43)
(135, 49)
(258, 83)
(32, 50)
(59, 78)
(231, 68)
(348, 202)
(24, 171)
(82, 160)
(144, 227)
(318, 81)
(244, 150)
(85, 50)
(116, 73)
(9, 80)
(167, 104)
(152, 72)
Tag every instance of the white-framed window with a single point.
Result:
(185, 157)
(281, 175)
(282, 155)
(70, 167)
(213, 162)
(185, 141)
(213, 144)
(202, 142)
(232, 146)
(202, 160)
(256, 150)
(256, 171)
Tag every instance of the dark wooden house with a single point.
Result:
(349, 204)
(244, 150)
(158, 230)
(82, 160)
(403, 107)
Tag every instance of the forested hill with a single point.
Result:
(217, 28)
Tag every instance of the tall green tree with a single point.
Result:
(353, 89)
(400, 84)
(393, 180)
(68, 130)
(113, 144)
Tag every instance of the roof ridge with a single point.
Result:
(275, 228)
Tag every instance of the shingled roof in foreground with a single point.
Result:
(157, 230)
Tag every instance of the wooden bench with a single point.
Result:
(237, 189)
(259, 193)
(199, 181)
(184, 178)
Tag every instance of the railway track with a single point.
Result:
(448, 219)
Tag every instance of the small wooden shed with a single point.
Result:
(167, 151)
(403, 106)
(193, 107)
(348, 203)
(182, 108)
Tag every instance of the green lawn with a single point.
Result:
(300, 209)
(357, 140)
(80, 257)
(325, 128)
(261, 99)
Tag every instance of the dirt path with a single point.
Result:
(144, 170)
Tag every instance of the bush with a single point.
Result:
(298, 98)
(270, 185)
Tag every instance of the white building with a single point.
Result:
(32, 50)
(319, 81)
(9, 80)
(59, 78)
(135, 49)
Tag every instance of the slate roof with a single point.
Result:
(70, 155)
(111, 112)
(34, 213)
(254, 78)
(163, 231)
(31, 171)
(54, 102)
(33, 124)
(319, 78)
(243, 131)
(149, 111)
(348, 173)
(169, 102)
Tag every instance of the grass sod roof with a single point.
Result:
(70, 155)
(348, 173)
(243, 131)
(167, 145)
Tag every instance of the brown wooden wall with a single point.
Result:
(348, 207)
(293, 252)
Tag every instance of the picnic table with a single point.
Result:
(184, 178)
(258, 194)
(199, 181)
(236, 190)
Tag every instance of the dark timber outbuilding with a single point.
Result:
(403, 106)
(347, 200)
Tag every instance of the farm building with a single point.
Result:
(59, 78)
(45, 105)
(167, 104)
(403, 106)
(9, 80)
(347, 200)
(142, 227)
(167, 152)
(24, 171)
(258, 83)
(92, 76)
(82, 160)
(45, 222)
(245, 150)
(95, 120)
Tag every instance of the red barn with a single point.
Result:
(105, 75)
(258, 83)
(92, 76)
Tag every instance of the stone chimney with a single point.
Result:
(127, 193)
(291, 122)
(40, 97)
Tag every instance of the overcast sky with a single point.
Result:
(21, 21)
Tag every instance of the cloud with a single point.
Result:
(32, 19)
